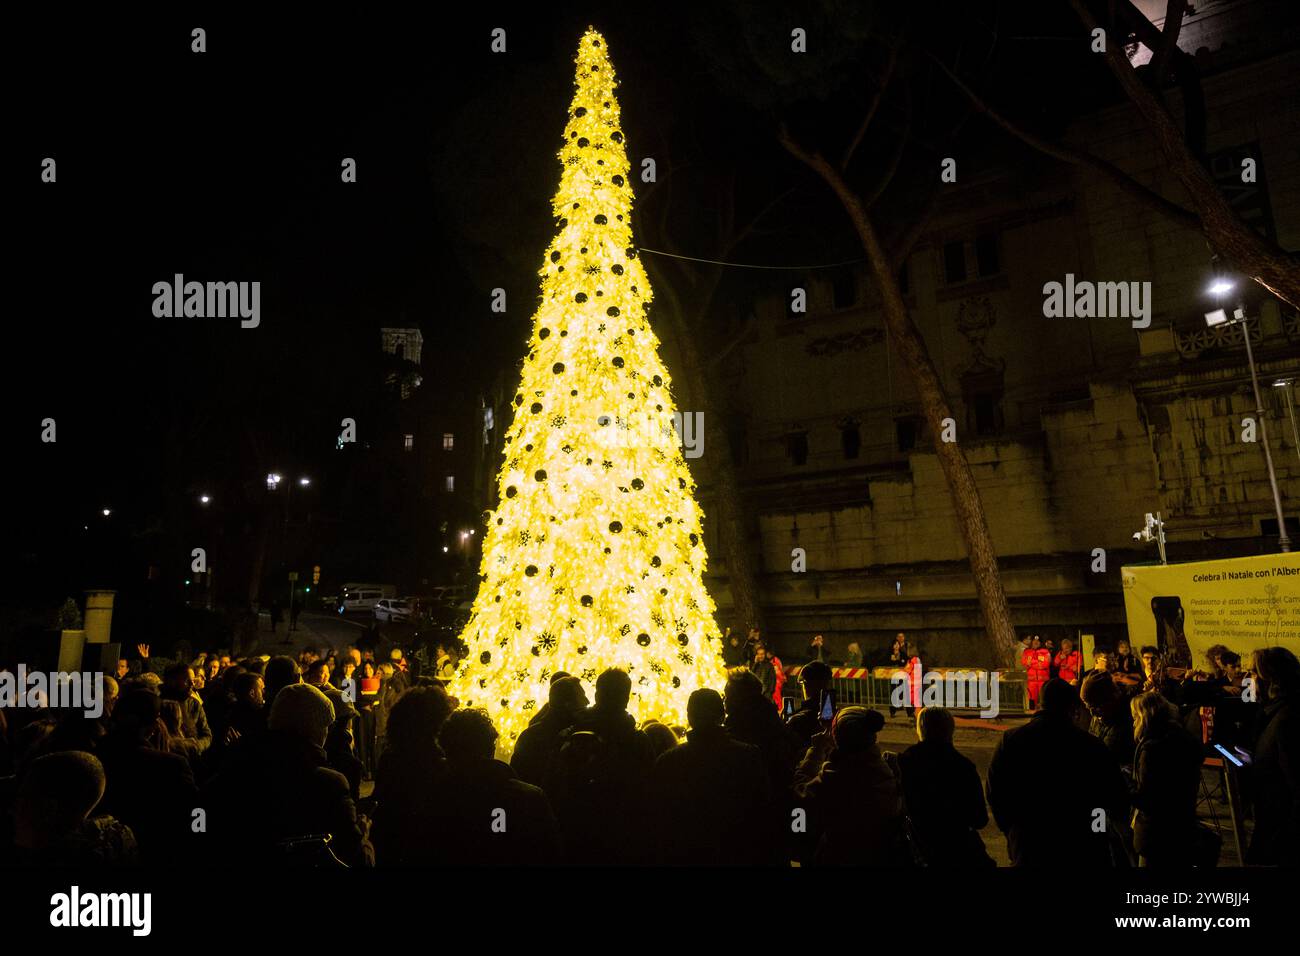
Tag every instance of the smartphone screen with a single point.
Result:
(828, 705)
(788, 710)
(1224, 750)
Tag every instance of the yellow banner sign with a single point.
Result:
(1242, 603)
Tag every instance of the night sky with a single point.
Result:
(224, 166)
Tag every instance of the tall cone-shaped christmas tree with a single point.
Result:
(595, 557)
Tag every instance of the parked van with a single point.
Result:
(364, 597)
(387, 590)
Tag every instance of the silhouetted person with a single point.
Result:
(540, 741)
(1166, 779)
(817, 649)
(279, 787)
(1275, 768)
(53, 825)
(150, 790)
(814, 681)
(733, 650)
(1111, 722)
(281, 671)
(945, 798)
(247, 713)
(662, 737)
(492, 818)
(752, 719)
(709, 796)
(1046, 782)
(596, 783)
(410, 783)
(852, 798)
(546, 707)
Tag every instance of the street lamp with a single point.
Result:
(272, 481)
(106, 512)
(1220, 287)
(1285, 384)
(204, 499)
(304, 482)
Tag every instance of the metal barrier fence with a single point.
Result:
(875, 688)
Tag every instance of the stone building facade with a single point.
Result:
(1074, 427)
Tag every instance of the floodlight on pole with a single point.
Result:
(1220, 286)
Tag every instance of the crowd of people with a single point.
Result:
(264, 759)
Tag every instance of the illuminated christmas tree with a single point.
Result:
(595, 556)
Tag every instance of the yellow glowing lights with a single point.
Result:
(595, 556)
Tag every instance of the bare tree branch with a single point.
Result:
(1264, 261)
(1076, 157)
(749, 228)
(891, 168)
(901, 246)
(1169, 39)
(745, 332)
(873, 105)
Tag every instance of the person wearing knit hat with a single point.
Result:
(854, 796)
(281, 789)
(304, 711)
(855, 729)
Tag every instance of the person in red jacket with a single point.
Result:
(1069, 662)
(914, 675)
(780, 677)
(1037, 661)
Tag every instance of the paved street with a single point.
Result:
(313, 630)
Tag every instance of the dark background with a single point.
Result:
(224, 166)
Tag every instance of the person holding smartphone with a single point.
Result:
(814, 682)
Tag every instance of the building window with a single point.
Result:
(408, 442)
(905, 430)
(451, 483)
(851, 439)
(796, 447)
(844, 289)
(987, 261)
(987, 410)
(448, 441)
(954, 262)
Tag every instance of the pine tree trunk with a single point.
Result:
(934, 405)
